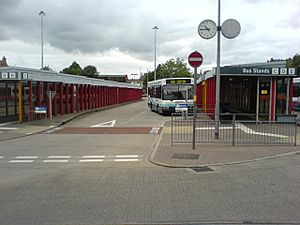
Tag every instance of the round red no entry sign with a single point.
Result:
(195, 59)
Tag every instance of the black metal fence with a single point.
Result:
(235, 129)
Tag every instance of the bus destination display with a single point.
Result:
(179, 81)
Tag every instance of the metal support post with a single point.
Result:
(257, 100)
(30, 110)
(155, 29)
(194, 107)
(217, 106)
(287, 96)
(295, 137)
(67, 98)
(55, 99)
(172, 131)
(20, 100)
(233, 130)
(61, 103)
(72, 98)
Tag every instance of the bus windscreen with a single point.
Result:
(177, 92)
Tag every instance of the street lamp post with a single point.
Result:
(42, 13)
(155, 29)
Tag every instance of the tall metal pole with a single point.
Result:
(147, 82)
(194, 107)
(155, 29)
(217, 106)
(42, 13)
(288, 96)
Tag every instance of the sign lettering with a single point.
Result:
(228, 70)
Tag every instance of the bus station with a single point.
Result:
(25, 92)
(258, 88)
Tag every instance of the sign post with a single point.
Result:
(41, 110)
(195, 60)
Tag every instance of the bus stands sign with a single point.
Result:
(257, 71)
(13, 75)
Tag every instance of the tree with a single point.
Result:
(294, 62)
(150, 76)
(74, 69)
(90, 71)
(173, 68)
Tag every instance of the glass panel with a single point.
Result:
(177, 92)
(8, 101)
(281, 92)
(2, 99)
(264, 97)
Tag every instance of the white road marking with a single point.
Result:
(21, 161)
(105, 124)
(154, 130)
(55, 161)
(91, 160)
(4, 124)
(53, 130)
(26, 157)
(9, 128)
(93, 156)
(85, 158)
(28, 133)
(126, 160)
(247, 130)
(250, 131)
(59, 157)
(127, 156)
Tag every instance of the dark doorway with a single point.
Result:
(238, 94)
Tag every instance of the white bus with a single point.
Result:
(166, 94)
(296, 94)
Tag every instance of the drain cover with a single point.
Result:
(185, 156)
(202, 169)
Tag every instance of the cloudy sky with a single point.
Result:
(117, 36)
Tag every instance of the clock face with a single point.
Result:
(231, 28)
(207, 29)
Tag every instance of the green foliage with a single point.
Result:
(172, 68)
(294, 62)
(90, 71)
(74, 69)
(150, 76)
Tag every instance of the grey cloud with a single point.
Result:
(98, 31)
(93, 26)
(96, 26)
(90, 26)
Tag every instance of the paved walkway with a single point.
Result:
(15, 130)
(182, 155)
